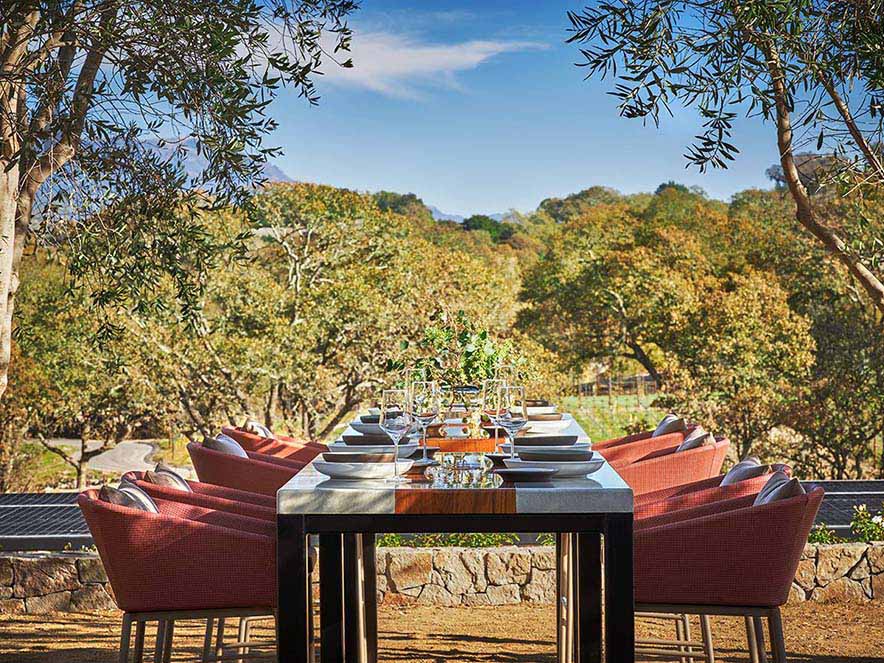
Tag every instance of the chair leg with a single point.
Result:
(158, 643)
(759, 639)
(680, 637)
(139, 642)
(207, 640)
(706, 629)
(167, 641)
(245, 631)
(777, 639)
(125, 637)
(219, 638)
(750, 639)
(687, 635)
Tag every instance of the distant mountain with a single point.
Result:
(194, 163)
(439, 215)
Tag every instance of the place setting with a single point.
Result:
(387, 439)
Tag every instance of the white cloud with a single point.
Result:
(402, 66)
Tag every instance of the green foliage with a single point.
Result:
(822, 534)
(455, 351)
(605, 418)
(866, 526)
(498, 231)
(671, 184)
(463, 540)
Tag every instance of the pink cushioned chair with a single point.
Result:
(280, 446)
(186, 562)
(223, 499)
(259, 473)
(634, 447)
(724, 558)
(665, 468)
(696, 494)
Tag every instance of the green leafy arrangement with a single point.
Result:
(455, 351)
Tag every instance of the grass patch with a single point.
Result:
(603, 418)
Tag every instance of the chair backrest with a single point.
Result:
(183, 558)
(635, 450)
(281, 446)
(730, 554)
(673, 469)
(228, 503)
(711, 494)
(256, 474)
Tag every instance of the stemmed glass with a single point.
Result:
(395, 420)
(425, 398)
(491, 399)
(512, 413)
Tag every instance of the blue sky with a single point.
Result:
(478, 107)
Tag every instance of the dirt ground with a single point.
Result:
(512, 634)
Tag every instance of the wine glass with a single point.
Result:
(513, 414)
(425, 398)
(491, 399)
(395, 420)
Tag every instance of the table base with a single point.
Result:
(348, 598)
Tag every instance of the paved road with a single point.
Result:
(125, 457)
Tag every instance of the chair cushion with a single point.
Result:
(745, 469)
(671, 423)
(128, 495)
(166, 476)
(697, 438)
(252, 426)
(778, 487)
(225, 444)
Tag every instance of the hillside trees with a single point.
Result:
(300, 331)
(88, 88)
(813, 70)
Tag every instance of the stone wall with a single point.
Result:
(37, 583)
(46, 582)
(840, 573)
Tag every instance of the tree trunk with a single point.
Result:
(81, 465)
(805, 212)
(9, 182)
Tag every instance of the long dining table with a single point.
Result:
(590, 516)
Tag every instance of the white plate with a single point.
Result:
(367, 429)
(542, 409)
(565, 468)
(547, 426)
(361, 470)
(405, 450)
(577, 445)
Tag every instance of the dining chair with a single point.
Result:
(225, 499)
(167, 566)
(698, 493)
(665, 468)
(280, 446)
(727, 558)
(257, 473)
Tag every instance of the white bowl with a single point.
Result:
(405, 450)
(524, 443)
(565, 468)
(548, 426)
(542, 409)
(367, 429)
(359, 471)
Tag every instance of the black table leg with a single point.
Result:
(619, 592)
(355, 627)
(589, 598)
(370, 567)
(294, 591)
(331, 598)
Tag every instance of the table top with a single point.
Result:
(457, 492)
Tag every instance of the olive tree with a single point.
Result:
(89, 89)
(815, 70)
